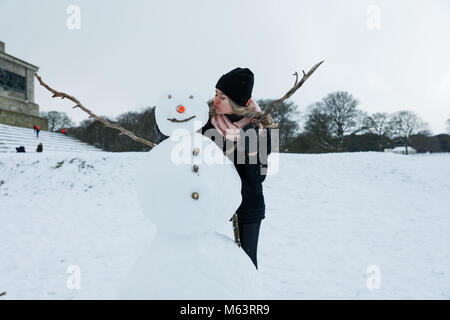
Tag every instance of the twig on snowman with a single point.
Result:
(78, 104)
(288, 94)
(291, 91)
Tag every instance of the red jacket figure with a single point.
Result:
(36, 128)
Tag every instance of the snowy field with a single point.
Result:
(328, 218)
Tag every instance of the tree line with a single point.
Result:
(334, 124)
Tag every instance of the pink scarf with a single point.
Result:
(230, 130)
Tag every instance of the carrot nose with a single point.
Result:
(181, 109)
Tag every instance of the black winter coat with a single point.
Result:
(252, 208)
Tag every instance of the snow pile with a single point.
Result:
(329, 218)
(402, 150)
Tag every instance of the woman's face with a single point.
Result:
(222, 103)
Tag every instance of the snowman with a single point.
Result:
(189, 189)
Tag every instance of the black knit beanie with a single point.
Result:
(237, 85)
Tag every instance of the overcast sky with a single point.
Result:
(389, 54)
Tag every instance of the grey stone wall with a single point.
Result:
(22, 120)
(18, 105)
(12, 94)
(30, 85)
(7, 63)
(14, 105)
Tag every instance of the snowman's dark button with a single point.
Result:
(195, 168)
(195, 195)
(196, 151)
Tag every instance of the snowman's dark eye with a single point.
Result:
(169, 96)
(191, 97)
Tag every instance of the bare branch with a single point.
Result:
(290, 92)
(296, 78)
(63, 95)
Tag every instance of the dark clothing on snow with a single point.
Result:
(249, 234)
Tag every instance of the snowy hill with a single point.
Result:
(328, 218)
(12, 137)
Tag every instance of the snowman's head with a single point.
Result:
(180, 110)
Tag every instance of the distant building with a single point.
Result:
(17, 107)
(401, 150)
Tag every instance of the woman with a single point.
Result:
(232, 113)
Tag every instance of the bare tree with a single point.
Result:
(318, 128)
(346, 118)
(57, 120)
(379, 124)
(405, 124)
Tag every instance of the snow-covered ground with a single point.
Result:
(328, 218)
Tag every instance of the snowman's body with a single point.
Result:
(201, 267)
(188, 188)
